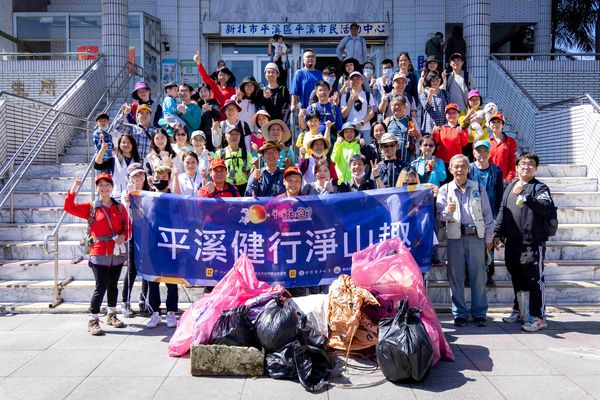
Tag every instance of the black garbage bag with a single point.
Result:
(233, 328)
(310, 365)
(404, 350)
(277, 326)
(307, 334)
(313, 366)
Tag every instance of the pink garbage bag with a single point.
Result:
(237, 286)
(389, 271)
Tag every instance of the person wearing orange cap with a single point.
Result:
(292, 180)
(217, 187)
(108, 230)
(504, 149)
(142, 131)
(450, 138)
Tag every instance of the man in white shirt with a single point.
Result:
(358, 106)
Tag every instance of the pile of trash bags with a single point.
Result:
(381, 308)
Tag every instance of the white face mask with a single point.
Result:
(358, 176)
(330, 80)
(368, 72)
(387, 71)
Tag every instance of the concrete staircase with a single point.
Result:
(26, 273)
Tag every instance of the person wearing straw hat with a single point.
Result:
(390, 166)
(316, 150)
(277, 131)
(268, 181)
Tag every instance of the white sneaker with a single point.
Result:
(535, 324)
(155, 321)
(171, 319)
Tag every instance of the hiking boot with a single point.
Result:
(534, 324)
(171, 319)
(94, 327)
(126, 310)
(515, 316)
(143, 310)
(155, 321)
(480, 322)
(460, 321)
(112, 320)
(490, 281)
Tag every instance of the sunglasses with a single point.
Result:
(408, 183)
(428, 145)
(388, 146)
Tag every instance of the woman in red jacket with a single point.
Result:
(108, 231)
(504, 149)
(450, 138)
(222, 90)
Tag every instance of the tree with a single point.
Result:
(576, 24)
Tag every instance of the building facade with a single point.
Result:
(237, 31)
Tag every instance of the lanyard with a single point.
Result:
(193, 182)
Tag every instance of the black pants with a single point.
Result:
(107, 280)
(129, 279)
(154, 296)
(525, 263)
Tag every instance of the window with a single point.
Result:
(42, 34)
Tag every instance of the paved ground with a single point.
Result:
(53, 357)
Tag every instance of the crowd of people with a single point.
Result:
(356, 132)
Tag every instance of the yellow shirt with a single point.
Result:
(485, 136)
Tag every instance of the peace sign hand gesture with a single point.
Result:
(375, 171)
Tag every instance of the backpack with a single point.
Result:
(88, 240)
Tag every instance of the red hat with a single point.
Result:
(217, 163)
(291, 171)
(497, 116)
(229, 102)
(451, 106)
(104, 176)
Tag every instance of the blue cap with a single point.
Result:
(485, 143)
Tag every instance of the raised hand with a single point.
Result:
(209, 187)
(375, 169)
(76, 184)
(126, 109)
(451, 206)
(197, 59)
(181, 108)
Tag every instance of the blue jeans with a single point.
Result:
(468, 253)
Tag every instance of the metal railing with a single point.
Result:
(584, 97)
(51, 56)
(552, 56)
(89, 171)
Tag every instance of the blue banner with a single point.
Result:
(296, 241)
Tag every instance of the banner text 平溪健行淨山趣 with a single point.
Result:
(296, 241)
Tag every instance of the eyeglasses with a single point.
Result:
(388, 146)
(408, 183)
(428, 145)
(527, 165)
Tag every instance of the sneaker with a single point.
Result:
(112, 320)
(94, 327)
(535, 324)
(126, 310)
(143, 310)
(515, 316)
(155, 321)
(490, 282)
(480, 322)
(171, 319)
(460, 321)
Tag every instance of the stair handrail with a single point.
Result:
(585, 96)
(58, 286)
(14, 179)
(10, 163)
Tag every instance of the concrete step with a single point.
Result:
(21, 250)
(54, 170)
(83, 307)
(589, 232)
(80, 150)
(44, 270)
(37, 214)
(564, 198)
(555, 250)
(35, 231)
(75, 158)
(579, 215)
(46, 199)
(51, 184)
(557, 293)
(561, 170)
(554, 270)
(570, 184)
(75, 291)
(82, 142)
